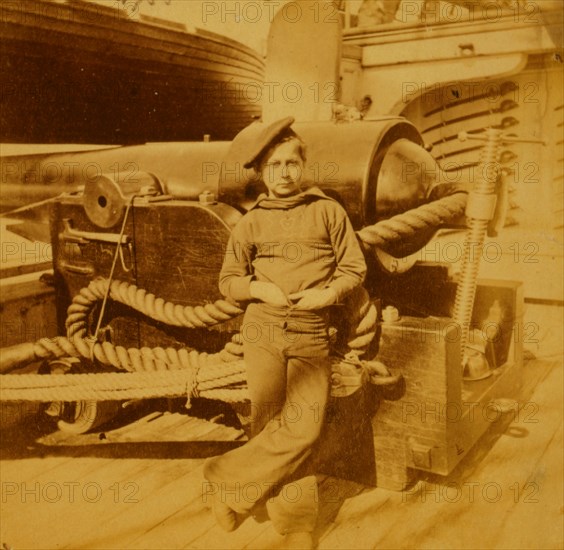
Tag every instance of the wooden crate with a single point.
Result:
(439, 416)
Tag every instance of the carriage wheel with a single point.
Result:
(77, 416)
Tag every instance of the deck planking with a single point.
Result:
(160, 498)
(162, 453)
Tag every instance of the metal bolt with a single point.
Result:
(207, 197)
(390, 314)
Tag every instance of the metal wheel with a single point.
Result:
(78, 416)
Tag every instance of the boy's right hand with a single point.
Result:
(268, 293)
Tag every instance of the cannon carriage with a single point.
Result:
(136, 259)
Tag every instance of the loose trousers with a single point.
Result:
(288, 375)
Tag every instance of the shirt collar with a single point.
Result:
(304, 195)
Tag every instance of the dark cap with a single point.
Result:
(266, 139)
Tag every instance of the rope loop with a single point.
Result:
(158, 372)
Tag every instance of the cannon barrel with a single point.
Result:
(375, 169)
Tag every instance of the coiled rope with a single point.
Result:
(168, 372)
(147, 304)
(179, 372)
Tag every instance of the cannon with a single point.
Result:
(139, 241)
(136, 259)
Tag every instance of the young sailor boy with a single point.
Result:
(292, 256)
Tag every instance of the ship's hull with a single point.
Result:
(82, 73)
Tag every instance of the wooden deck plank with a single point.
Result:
(142, 432)
(197, 525)
(212, 536)
(60, 494)
(218, 432)
(194, 527)
(117, 476)
(157, 426)
(478, 501)
(28, 469)
(200, 430)
(333, 494)
(59, 438)
(101, 489)
(167, 427)
(536, 493)
(171, 512)
(163, 494)
(547, 529)
(377, 506)
(105, 473)
(172, 531)
(155, 475)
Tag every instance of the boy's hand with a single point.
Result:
(314, 298)
(268, 293)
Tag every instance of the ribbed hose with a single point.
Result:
(488, 172)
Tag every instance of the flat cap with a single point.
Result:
(267, 137)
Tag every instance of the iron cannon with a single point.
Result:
(136, 256)
(138, 240)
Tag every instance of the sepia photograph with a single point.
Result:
(282, 274)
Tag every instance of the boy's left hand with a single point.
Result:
(314, 298)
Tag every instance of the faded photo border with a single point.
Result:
(124, 100)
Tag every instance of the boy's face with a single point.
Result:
(282, 169)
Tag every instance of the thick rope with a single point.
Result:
(363, 319)
(167, 372)
(154, 372)
(144, 359)
(119, 386)
(77, 344)
(442, 211)
(148, 304)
